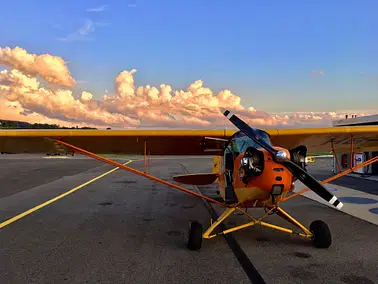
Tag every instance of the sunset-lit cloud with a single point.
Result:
(24, 97)
(51, 68)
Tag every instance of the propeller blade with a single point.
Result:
(312, 183)
(296, 170)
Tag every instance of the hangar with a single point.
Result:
(345, 159)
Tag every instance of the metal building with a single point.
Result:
(345, 159)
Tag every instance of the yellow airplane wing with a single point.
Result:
(155, 142)
(183, 142)
(361, 138)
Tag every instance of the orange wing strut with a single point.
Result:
(108, 161)
(364, 164)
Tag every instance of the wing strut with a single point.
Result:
(339, 175)
(335, 155)
(132, 170)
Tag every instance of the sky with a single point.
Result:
(276, 63)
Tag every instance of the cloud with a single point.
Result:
(131, 5)
(84, 31)
(86, 96)
(24, 97)
(14, 111)
(55, 104)
(51, 68)
(316, 73)
(101, 8)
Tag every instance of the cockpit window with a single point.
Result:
(240, 142)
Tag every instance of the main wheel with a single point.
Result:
(321, 234)
(195, 236)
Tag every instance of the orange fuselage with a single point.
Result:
(257, 191)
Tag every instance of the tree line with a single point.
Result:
(8, 124)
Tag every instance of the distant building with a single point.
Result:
(353, 120)
(344, 159)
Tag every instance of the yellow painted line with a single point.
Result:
(19, 216)
(56, 157)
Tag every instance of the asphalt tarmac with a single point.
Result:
(322, 169)
(123, 228)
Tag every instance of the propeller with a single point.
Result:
(281, 157)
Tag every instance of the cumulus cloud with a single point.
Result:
(51, 68)
(60, 104)
(24, 97)
(14, 111)
(86, 96)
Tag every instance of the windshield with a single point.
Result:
(240, 142)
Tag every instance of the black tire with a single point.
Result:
(321, 234)
(195, 236)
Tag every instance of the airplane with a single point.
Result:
(253, 168)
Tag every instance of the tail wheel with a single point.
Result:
(321, 234)
(195, 236)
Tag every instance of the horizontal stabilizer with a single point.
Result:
(196, 179)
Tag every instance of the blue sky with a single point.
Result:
(264, 51)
